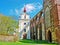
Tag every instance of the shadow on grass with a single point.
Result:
(36, 41)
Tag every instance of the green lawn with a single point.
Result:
(27, 42)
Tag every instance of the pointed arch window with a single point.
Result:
(47, 17)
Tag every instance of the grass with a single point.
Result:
(27, 42)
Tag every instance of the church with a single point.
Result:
(24, 25)
(52, 20)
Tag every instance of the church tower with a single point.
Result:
(24, 25)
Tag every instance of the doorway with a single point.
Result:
(49, 36)
(24, 36)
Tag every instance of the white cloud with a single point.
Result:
(14, 13)
(32, 7)
(38, 5)
(29, 7)
(17, 12)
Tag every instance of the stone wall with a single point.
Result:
(58, 34)
(8, 38)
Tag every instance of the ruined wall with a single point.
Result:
(8, 38)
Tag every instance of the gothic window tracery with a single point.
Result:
(47, 17)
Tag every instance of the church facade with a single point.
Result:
(48, 26)
(24, 26)
(52, 20)
(41, 27)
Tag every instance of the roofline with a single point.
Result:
(37, 13)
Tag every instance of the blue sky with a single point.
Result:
(14, 8)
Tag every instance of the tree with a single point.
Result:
(7, 25)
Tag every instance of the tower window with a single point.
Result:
(24, 30)
(24, 23)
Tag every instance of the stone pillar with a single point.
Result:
(43, 32)
(35, 32)
(38, 33)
